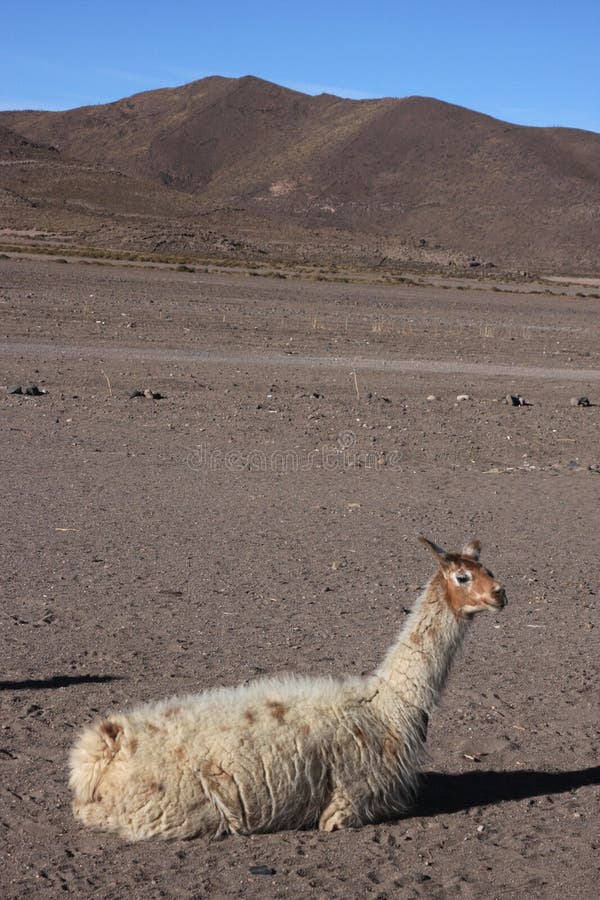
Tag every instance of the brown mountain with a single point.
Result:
(403, 177)
(46, 174)
(52, 196)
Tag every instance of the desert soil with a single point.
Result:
(261, 518)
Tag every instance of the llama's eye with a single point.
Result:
(462, 577)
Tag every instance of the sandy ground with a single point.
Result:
(262, 518)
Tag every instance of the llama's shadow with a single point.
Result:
(56, 681)
(453, 793)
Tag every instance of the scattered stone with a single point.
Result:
(29, 390)
(516, 400)
(4, 752)
(594, 468)
(374, 396)
(421, 877)
(147, 393)
(432, 397)
(480, 828)
(463, 397)
(583, 401)
(262, 870)
(32, 390)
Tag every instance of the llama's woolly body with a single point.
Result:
(265, 757)
(275, 754)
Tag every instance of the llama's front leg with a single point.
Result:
(338, 814)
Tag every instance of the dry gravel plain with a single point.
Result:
(261, 518)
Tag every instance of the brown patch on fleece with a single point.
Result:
(277, 710)
(156, 787)
(357, 730)
(111, 730)
(390, 748)
(153, 729)
(211, 769)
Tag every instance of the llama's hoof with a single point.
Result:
(336, 816)
(333, 823)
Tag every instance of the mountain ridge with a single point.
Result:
(407, 169)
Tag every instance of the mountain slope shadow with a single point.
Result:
(56, 681)
(450, 793)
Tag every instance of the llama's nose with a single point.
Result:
(499, 595)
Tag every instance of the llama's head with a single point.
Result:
(469, 586)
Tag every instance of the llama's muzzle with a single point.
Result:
(499, 599)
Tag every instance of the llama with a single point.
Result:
(285, 753)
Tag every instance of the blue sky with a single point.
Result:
(534, 62)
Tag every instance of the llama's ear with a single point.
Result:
(437, 551)
(472, 549)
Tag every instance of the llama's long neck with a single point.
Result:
(417, 666)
